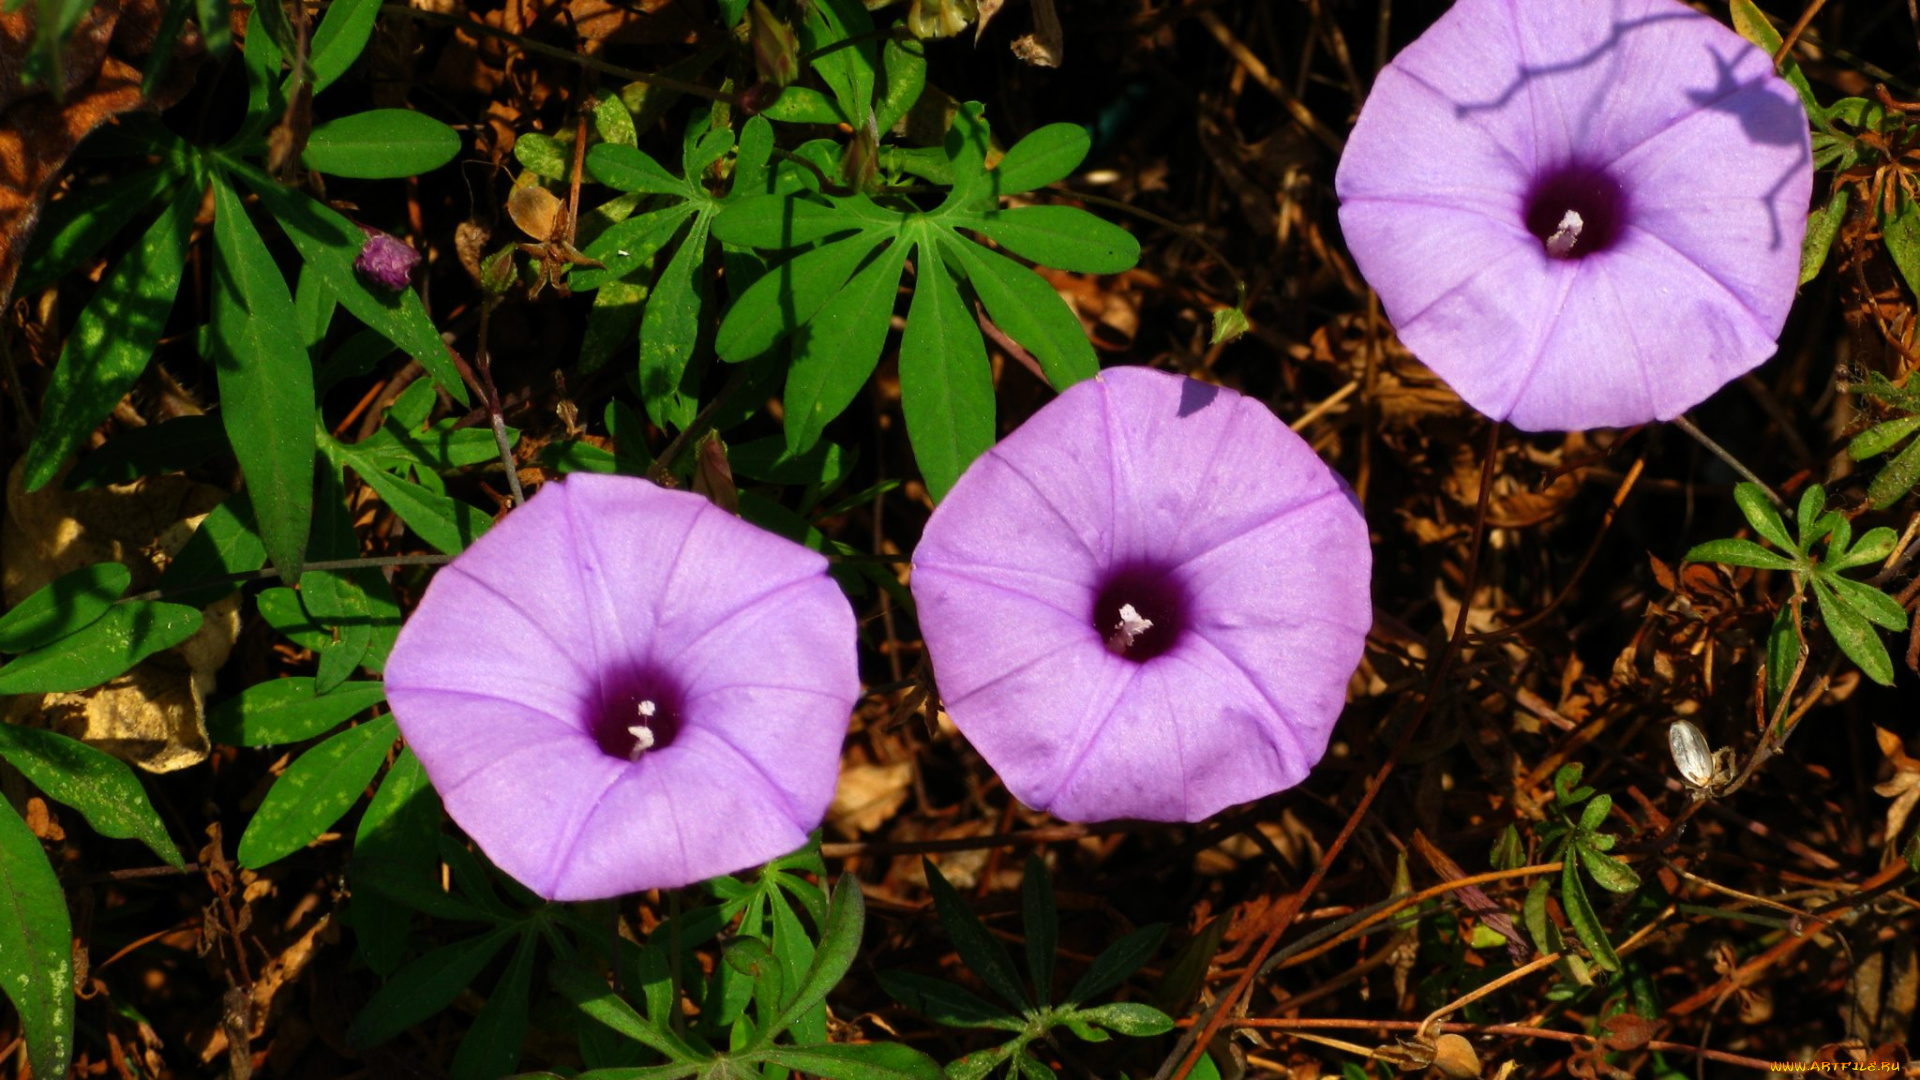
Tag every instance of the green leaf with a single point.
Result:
(225, 544)
(1876, 545)
(338, 41)
(380, 144)
(624, 168)
(1733, 552)
(848, 70)
(446, 523)
(543, 156)
(779, 222)
(839, 944)
(112, 340)
(215, 25)
(983, 953)
(1896, 477)
(1120, 960)
(329, 244)
(804, 105)
(1783, 654)
(1879, 608)
(946, 381)
(628, 249)
(670, 329)
(1573, 896)
(978, 1064)
(789, 295)
(424, 987)
(1594, 814)
(1021, 303)
(1807, 516)
(100, 786)
(124, 636)
(1901, 233)
(67, 603)
(1612, 874)
(399, 834)
(36, 949)
(1853, 633)
(266, 383)
(288, 711)
(1762, 515)
(853, 1061)
(1061, 236)
(175, 446)
(839, 346)
(597, 1000)
(1046, 155)
(1041, 923)
(1753, 26)
(945, 1003)
(1128, 1018)
(75, 228)
(491, 1047)
(314, 792)
(904, 64)
(1822, 226)
(1882, 437)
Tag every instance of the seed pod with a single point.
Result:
(1453, 1055)
(1691, 755)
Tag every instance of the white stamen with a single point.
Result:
(1129, 629)
(642, 734)
(1560, 244)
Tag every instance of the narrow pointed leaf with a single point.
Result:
(1854, 634)
(424, 987)
(100, 786)
(288, 711)
(1021, 303)
(491, 1047)
(380, 144)
(946, 382)
(597, 1000)
(945, 1003)
(1573, 896)
(337, 42)
(1896, 477)
(983, 953)
(670, 329)
(315, 792)
(624, 168)
(36, 949)
(1879, 609)
(1062, 236)
(1612, 874)
(66, 604)
(854, 1061)
(1046, 155)
(1762, 515)
(1128, 1018)
(106, 647)
(1041, 924)
(838, 348)
(1735, 552)
(839, 944)
(1120, 960)
(789, 295)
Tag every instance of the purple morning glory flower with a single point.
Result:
(1146, 602)
(621, 687)
(386, 262)
(1580, 213)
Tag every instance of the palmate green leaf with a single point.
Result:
(329, 244)
(1119, 960)
(339, 39)
(100, 786)
(669, 330)
(74, 229)
(1896, 477)
(1573, 897)
(1734, 552)
(1021, 303)
(1882, 437)
(491, 1047)
(839, 347)
(629, 246)
(113, 339)
(36, 951)
(983, 953)
(315, 791)
(1063, 236)
(839, 944)
(851, 1061)
(779, 222)
(625, 168)
(1128, 1018)
(127, 634)
(598, 1001)
(62, 606)
(424, 987)
(946, 382)
(380, 144)
(1040, 921)
(947, 1004)
(1046, 155)
(288, 711)
(1822, 226)
(1854, 634)
(1877, 607)
(1762, 515)
(1611, 874)
(791, 294)
(266, 382)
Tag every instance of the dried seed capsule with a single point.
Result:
(1691, 755)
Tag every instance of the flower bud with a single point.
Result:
(386, 262)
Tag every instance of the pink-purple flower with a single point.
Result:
(621, 687)
(1580, 213)
(1146, 602)
(386, 261)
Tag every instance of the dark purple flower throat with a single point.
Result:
(1576, 210)
(1140, 612)
(640, 712)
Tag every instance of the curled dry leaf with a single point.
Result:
(867, 796)
(152, 716)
